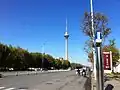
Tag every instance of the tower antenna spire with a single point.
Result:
(66, 25)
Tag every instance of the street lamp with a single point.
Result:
(98, 63)
(43, 54)
(93, 33)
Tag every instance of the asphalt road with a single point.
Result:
(44, 81)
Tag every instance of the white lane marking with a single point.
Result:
(2, 87)
(9, 89)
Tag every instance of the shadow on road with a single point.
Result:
(87, 84)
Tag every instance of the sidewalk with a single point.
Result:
(113, 82)
(93, 82)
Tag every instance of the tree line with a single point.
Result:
(21, 59)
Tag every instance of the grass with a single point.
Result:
(115, 76)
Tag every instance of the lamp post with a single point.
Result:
(43, 54)
(93, 33)
(97, 54)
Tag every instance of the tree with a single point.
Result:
(114, 49)
(4, 53)
(50, 59)
(20, 59)
(112, 42)
(58, 64)
(27, 58)
(65, 64)
(90, 57)
(11, 58)
(100, 24)
(76, 65)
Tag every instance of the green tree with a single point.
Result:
(65, 64)
(51, 60)
(90, 57)
(58, 64)
(34, 60)
(115, 51)
(75, 65)
(11, 58)
(20, 59)
(4, 53)
(112, 42)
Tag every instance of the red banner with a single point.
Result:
(107, 61)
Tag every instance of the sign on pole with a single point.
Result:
(107, 56)
(99, 62)
(98, 37)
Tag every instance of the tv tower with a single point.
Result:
(66, 35)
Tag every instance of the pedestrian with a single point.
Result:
(78, 71)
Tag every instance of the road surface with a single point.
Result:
(44, 81)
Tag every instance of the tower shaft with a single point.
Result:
(66, 48)
(66, 35)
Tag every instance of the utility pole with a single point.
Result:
(43, 54)
(97, 54)
(93, 33)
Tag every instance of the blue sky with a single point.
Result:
(30, 23)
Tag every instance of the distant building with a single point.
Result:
(60, 58)
(117, 68)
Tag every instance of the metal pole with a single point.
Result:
(93, 33)
(91, 10)
(100, 71)
(112, 70)
(43, 56)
